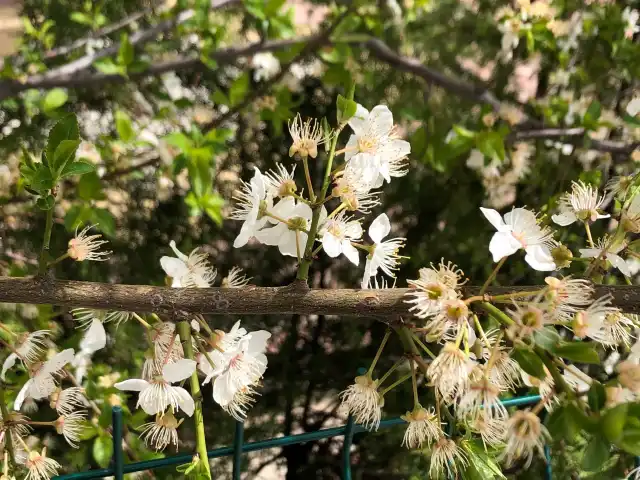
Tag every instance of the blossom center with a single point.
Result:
(367, 144)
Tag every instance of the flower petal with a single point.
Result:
(590, 252)
(331, 245)
(351, 252)
(271, 235)
(539, 258)
(380, 121)
(223, 391)
(173, 267)
(95, 338)
(287, 243)
(132, 385)
(494, 218)
(359, 120)
(380, 228)
(22, 395)
(285, 208)
(618, 262)
(178, 253)
(9, 362)
(564, 219)
(179, 370)
(502, 245)
(187, 405)
(58, 361)
(258, 341)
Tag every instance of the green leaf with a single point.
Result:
(630, 441)
(212, 205)
(108, 67)
(90, 187)
(46, 203)
(179, 140)
(597, 396)
(105, 221)
(65, 129)
(582, 352)
(54, 99)
(529, 362)
(596, 454)
(546, 338)
(124, 126)
(102, 450)
(635, 121)
(77, 168)
(81, 18)
(125, 52)
(66, 151)
(42, 179)
(593, 112)
(73, 217)
(346, 109)
(613, 422)
(200, 175)
(218, 97)
(238, 89)
(464, 132)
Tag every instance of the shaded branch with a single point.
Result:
(576, 136)
(293, 299)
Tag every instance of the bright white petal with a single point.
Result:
(590, 252)
(95, 339)
(9, 362)
(178, 253)
(351, 252)
(132, 385)
(287, 244)
(564, 219)
(539, 258)
(178, 371)
(369, 271)
(223, 391)
(606, 215)
(258, 341)
(354, 230)
(246, 232)
(284, 208)
(173, 267)
(187, 405)
(257, 183)
(359, 121)
(380, 120)
(302, 210)
(494, 218)
(394, 149)
(618, 262)
(380, 228)
(502, 245)
(331, 245)
(58, 361)
(272, 235)
(22, 395)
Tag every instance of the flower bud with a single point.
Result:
(562, 256)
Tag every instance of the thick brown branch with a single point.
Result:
(293, 299)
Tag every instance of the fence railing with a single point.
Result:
(118, 467)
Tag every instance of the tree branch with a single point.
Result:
(576, 136)
(292, 299)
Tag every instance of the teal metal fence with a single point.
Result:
(118, 467)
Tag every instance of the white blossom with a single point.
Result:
(447, 456)
(235, 279)
(434, 286)
(423, 426)
(71, 427)
(157, 395)
(40, 467)
(266, 66)
(42, 382)
(582, 204)
(374, 150)
(633, 107)
(520, 230)
(306, 137)
(383, 254)
(191, 271)
(568, 295)
(449, 372)
(162, 432)
(604, 251)
(87, 247)
(28, 349)
(630, 17)
(354, 192)
(252, 199)
(525, 436)
(290, 237)
(66, 401)
(363, 400)
(337, 234)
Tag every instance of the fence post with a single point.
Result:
(346, 449)
(118, 457)
(237, 450)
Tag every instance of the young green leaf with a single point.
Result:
(529, 362)
(346, 109)
(102, 450)
(597, 396)
(124, 127)
(583, 352)
(54, 99)
(125, 53)
(65, 129)
(596, 454)
(45, 203)
(76, 168)
(65, 151)
(41, 179)
(613, 421)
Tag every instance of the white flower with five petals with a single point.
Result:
(157, 395)
(383, 254)
(290, 237)
(338, 233)
(188, 271)
(251, 198)
(374, 149)
(42, 382)
(604, 251)
(520, 230)
(582, 204)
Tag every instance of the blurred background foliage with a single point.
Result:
(171, 149)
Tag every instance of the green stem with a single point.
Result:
(423, 346)
(493, 275)
(497, 314)
(307, 175)
(390, 371)
(59, 259)
(303, 268)
(589, 237)
(406, 337)
(379, 352)
(414, 382)
(9, 440)
(395, 384)
(558, 380)
(44, 253)
(201, 443)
